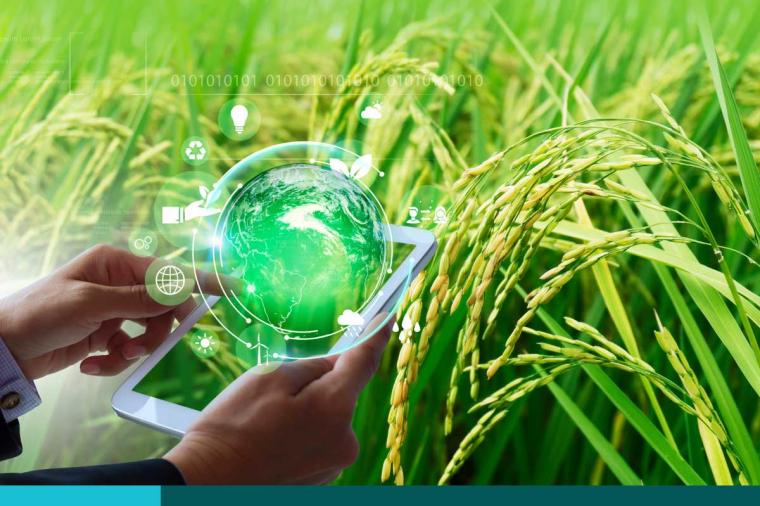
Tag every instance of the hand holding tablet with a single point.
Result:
(157, 396)
(261, 377)
(289, 426)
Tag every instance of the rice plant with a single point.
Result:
(591, 316)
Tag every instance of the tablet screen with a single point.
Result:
(208, 358)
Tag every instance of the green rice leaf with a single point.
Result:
(748, 170)
(607, 452)
(352, 50)
(633, 414)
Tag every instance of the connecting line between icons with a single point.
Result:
(203, 296)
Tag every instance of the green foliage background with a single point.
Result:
(96, 98)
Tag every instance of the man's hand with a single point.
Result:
(289, 426)
(79, 309)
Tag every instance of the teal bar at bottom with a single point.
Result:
(80, 496)
(374, 496)
(460, 496)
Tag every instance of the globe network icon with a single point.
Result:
(170, 280)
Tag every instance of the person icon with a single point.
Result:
(413, 216)
(440, 215)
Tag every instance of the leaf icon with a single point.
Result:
(361, 166)
(339, 166)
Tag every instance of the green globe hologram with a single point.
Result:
(308, 244)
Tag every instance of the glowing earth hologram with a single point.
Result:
(296, 233)
(308, 245)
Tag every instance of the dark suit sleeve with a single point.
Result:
(146, 472)
(10, 440)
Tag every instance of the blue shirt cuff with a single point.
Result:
(17, 394)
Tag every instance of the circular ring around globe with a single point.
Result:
(295, 220)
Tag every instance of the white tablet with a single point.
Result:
(169, 388)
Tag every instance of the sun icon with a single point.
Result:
(204, 343)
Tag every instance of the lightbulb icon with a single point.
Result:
(239, 115)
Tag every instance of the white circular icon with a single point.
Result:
(170, 280)
(143, 243)
(195, 150)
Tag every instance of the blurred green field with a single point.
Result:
(600, 163)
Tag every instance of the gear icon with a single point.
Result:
(195, 151)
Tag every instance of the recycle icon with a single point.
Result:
(195, 151)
